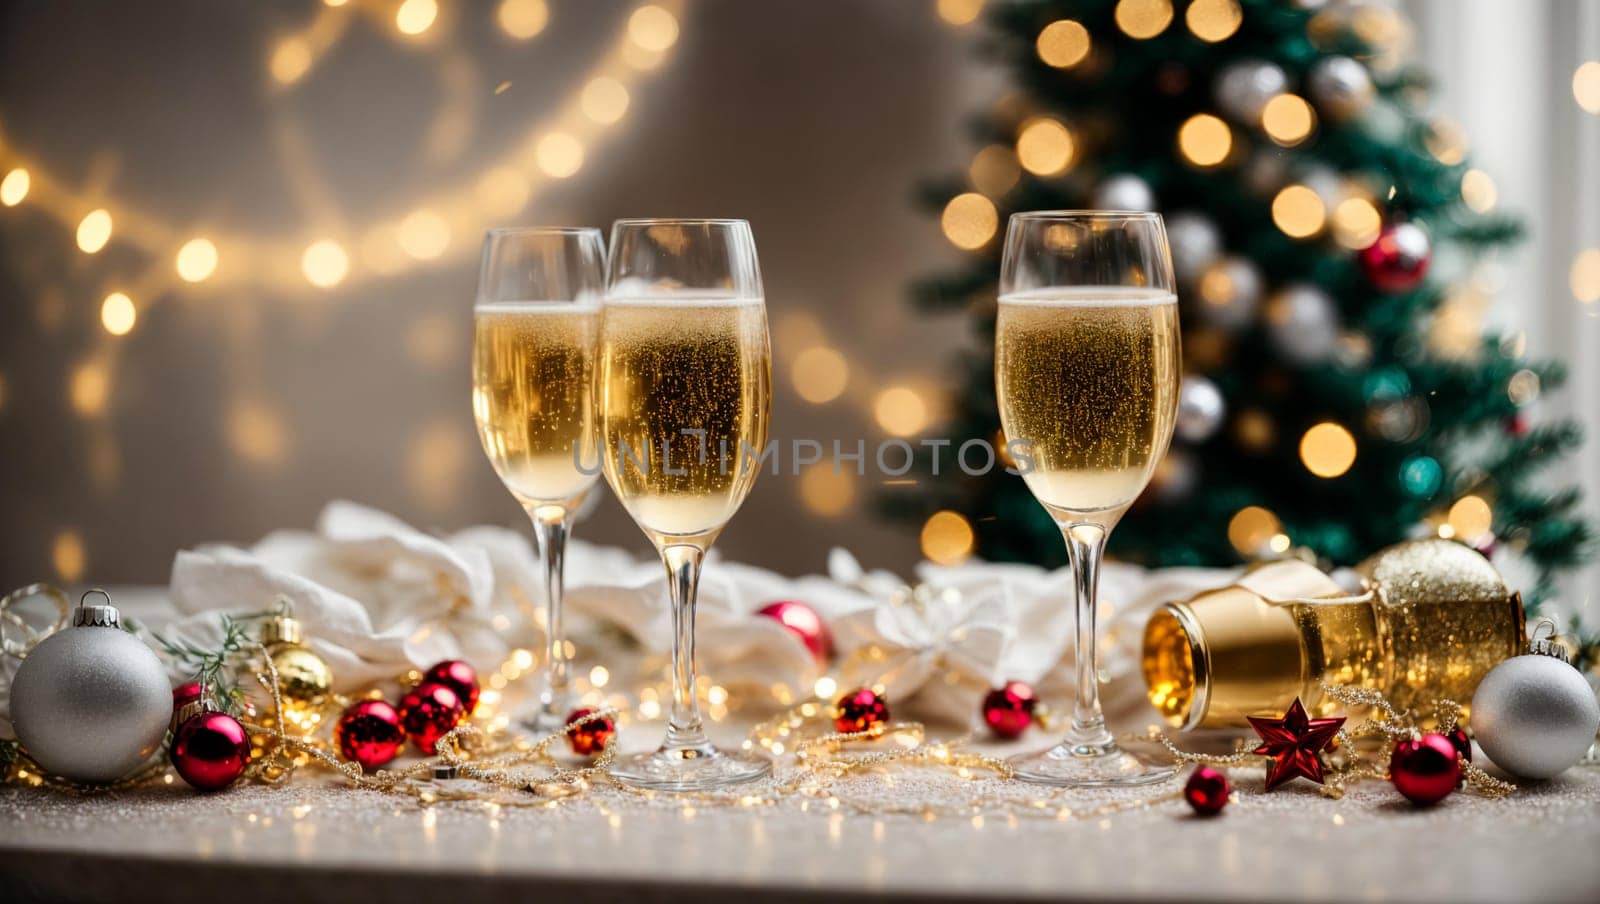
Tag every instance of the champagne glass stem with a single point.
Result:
(684, 730)
(1086, 543)
(551, 525)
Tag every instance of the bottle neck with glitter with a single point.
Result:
(1432, 618)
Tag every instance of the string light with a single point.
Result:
(1213, 20)
(970, 221)
(947, 538)
(959, 12)
(1044, 146)
(1328, 450)
(1586, 86)
(1063, 44)
(1142, 19)
(89, 388)
(94, 231)
(423, 235)
(1356, 223)
(1252, 528)
(825, 491)
(653, 28)
(604, 100)
(257, 434)
(1584, 277)
(1446, 141)
(995, 170)
(560, 155)
(414, 17)
(325, 263)
(522, 19)
(117, 314)
(1288, 119)
(820, 374)
(900, 411)
(197, 260)
(291, 60)
(1254, 430)
(1205, 140)
(14, 187)
(1470, 519)
(1298, 212)
(1478, 191)
(68, 556)
(1523, 387)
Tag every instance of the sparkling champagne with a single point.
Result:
(1088, 378)
(532, 372)
(671, 366)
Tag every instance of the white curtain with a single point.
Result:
(1504, 71)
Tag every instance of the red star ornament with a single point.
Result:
(1294, 742)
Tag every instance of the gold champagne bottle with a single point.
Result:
(531, 395)
(1433, 617)
(685, 389)
(1088, 379)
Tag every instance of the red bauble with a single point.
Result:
(805, 623)
(369, 733)
(428, 712)
(459, 677)
(1207, 791)
(1008, 709)
(1517, 425)
(210, 750)
(1425, 770)
(1398, 260)
(860, 710)
(589, 738)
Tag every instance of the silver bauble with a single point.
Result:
(91, 702)
(1124, 191)
(1230, 292)
(1195, 243)
(1534, 716)
(1340, 87)
(1303, 323)
(1200, 409)
(1243, 89)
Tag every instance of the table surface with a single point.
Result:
(314, 839)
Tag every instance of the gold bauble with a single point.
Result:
(304, 681)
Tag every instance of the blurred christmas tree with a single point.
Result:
(1341, 393)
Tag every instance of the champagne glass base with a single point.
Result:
(692, 769)
(1090, 767)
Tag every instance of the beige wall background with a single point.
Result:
(243, 403)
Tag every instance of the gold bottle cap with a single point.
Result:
(1229, 653)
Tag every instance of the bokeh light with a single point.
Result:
(1470, 519)
(1252, 528)
(118, 314)
(653, 28)
(1143, 18)
(257, 433)
(89, 389)
(604, 100)
(1044, 146)
(435, 460)
(970, 221)
(1328, 450)
(522, 19)
(325, 263)
(559, 154)
(423, 234)
(503, 191)
(14, 187)
(1205, 140)
(413, 17)
(196, 260)
(1586, 86)
(959, 12)
(1356, 223)
(1523, 387)
(1298, 211)
(1446, 141)
(291, 60)
(1063, 44)
(1584, 277)
(1288, 119)
(94, 231)
(1478, 191)
(900, 411)
(827, 492)
(68, 556)
(995, 170)
(820, 374)
(947, 538)
(1213, 20)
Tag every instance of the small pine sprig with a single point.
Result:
(215, 668)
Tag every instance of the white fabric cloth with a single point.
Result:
(377, 597)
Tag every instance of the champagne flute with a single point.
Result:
(685, 373)
(535, 322)
(1086, 372)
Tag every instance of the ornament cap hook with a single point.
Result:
(98, 615)
(282, 627)
(1541, 643)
